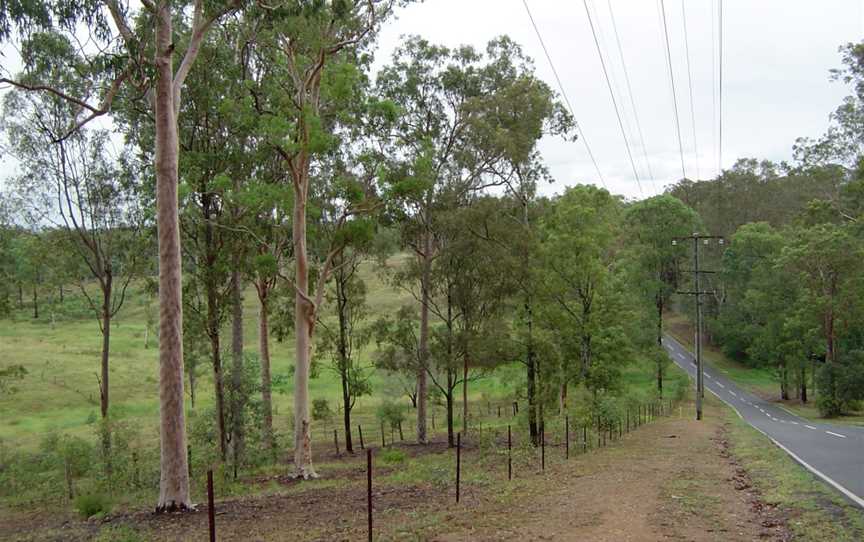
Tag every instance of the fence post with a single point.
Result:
(401, 436)
(189, 459)
(369, 491)
(68, 472)
(383, 442)
(499, 411)
(336, 441)
(542, 446)
(585, 438)
(566, 437)
(509, 455)
(360, 430)
(211, 512)
(458, 462)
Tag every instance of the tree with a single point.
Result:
(651, 226)
(121, 60)
(310, 71)
(467, 121)
(341, 343)
(579, 242)
(825, 258)
(475, 288)
(77, 183)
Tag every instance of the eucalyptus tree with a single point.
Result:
(825, 259)
(213, 168)
(268, 200)
(476, 287)
(138, 58)
(77, 183)
(580, 245)
(651, 226)
(309, 55)
(350, 334)
(467, 118)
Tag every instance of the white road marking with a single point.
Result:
(836, 434)
(809, 427)
(721, 385)
(855, 498)
(794, 423)
(732, 393)
(680, 355)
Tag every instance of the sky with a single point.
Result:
(776, 60)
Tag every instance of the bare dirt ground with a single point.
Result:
(670, 480)
(673, 480)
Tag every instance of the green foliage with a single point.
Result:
(391, 456)
(8, 375)
(321, 410)
(92, 504)
(391, 413)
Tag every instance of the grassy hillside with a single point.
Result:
(61, 355)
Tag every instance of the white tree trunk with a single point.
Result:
(174, 479)
(304, 316)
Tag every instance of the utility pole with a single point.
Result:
(698, 293)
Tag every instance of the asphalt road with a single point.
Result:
(834, 453)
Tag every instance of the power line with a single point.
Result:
(564, 94)
(672, 79)
(720, 139)
(612, 95)
(630, 92)
(713, 82)
(690, 86)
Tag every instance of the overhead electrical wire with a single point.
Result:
(612, 95)
(564, 94)
(630, 92)
(720, 120)
(674, 95)
(690, 86)
(714, 82)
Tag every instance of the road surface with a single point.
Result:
(834, 453)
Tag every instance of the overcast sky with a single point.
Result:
(776, 88)
(777, 54)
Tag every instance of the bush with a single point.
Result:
(391, 413)
(90, 504)
(392, 455)
(321, 410)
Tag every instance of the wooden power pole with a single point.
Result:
(698, 293)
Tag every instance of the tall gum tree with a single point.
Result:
(651, 225)
(122, 59)
(466, 118)
(310, 54)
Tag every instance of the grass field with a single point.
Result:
(60, 391)
(760, 381)
(61, 355)
(59, 394)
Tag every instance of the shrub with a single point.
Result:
(321, 410)
(391, 413)
(90, 504)
(392, 455)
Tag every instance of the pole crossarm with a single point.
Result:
(698, 293)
